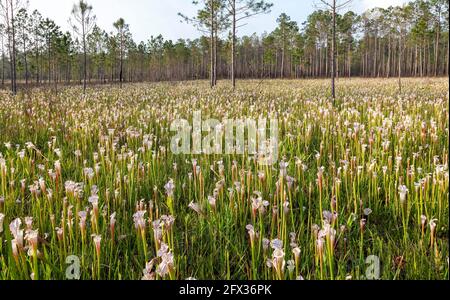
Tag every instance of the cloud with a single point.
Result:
(367, 4)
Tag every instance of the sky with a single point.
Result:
(153, 17)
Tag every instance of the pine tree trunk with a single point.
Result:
(349, 61)
(333, 53)
(85, 55)
(25, 61)
(121, 60)
(388, 65)
(212, 44)
(14, 63)
(233, 47)
(400, 64)
(215, 51)
(3, 62)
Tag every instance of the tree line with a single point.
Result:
(411, 40)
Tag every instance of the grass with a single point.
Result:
(94, 177)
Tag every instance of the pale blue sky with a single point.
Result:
(153, 17)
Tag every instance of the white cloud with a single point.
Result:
(367, 4)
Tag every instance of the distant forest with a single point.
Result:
(412, 39)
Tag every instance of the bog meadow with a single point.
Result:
(346, 180)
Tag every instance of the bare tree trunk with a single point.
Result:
(121, 60)
(3, 69)
(121, 71)
(215, 50)
(49, 60)
(388, 65)
(283, 53)
(381, 68)
(333, 54)
(319, 65)
(349, 61)
(336, 72)
(233, 46)
(13, 28)
(212, 44)
(429, 64)
(37, 61)
(85, 66)
(9, 14)
(84, 54)
(420, 65)
(416, 64)
(25, 60)
(3, 62)
(400, 64)
(436, 47)
(448, 50)
(375, 62)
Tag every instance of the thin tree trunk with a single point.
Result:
(400, 64)
(448, 50)
(349, 61)
(84, 54)
(37, 60)
(333, 53)
(49, 60)
(121, 60)
(14, 51)
(233, 47)
(212, 43)
(374, 74)
(215, 50)
(12, 44)
(3, 62)
(25, 61)
(416, 64)
(388, 65)
(436, 53)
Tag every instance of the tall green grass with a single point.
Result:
(94, 177)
